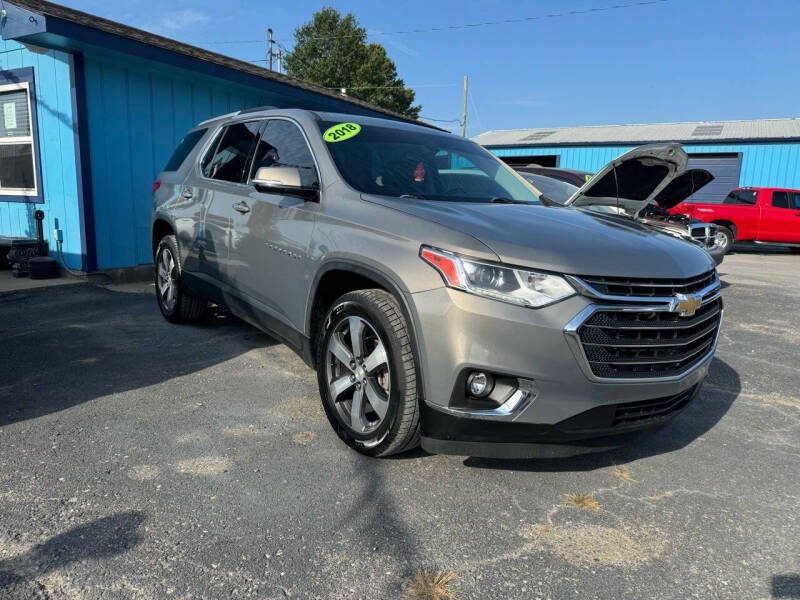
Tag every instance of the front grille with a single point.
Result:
(705, 234)
(648, 343)
(650, 410)
(652, 288)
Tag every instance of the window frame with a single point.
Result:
(212, 145)
(788, 200)
(262, 129)
(17, 79)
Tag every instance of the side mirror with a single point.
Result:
(283, 180)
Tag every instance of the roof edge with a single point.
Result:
(684, 142)
(32, 20)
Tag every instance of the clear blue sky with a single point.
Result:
(680, 60)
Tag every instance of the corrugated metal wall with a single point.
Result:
(764, 165)
(56, 148)
(136, 115)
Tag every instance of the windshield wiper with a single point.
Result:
(502, 200)
(413, 196)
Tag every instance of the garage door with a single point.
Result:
(724, 167)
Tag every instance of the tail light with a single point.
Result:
(156, 185)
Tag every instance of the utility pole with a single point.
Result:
(269, 31)
(278, 54)
(464, 111)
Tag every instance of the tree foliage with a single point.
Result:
(331, 50)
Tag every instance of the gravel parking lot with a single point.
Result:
(140, 459)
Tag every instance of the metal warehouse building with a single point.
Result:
(738, 153)
(90, 112)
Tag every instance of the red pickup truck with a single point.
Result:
(761, 215)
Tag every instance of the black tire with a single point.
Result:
(182, 307)
(398, 430)
(794, 250)
(728, 236)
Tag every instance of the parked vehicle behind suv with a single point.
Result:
(434, 294)
(768, 216)
(559, 185)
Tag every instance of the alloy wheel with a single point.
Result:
(357, 373)
(167, 280)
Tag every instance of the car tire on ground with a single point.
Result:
(794, 250)
(176, 304)
(367, 373)
(725, 238)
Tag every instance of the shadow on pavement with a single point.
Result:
(105, 537)
(699, 417)
(786, 586)
(66, 345)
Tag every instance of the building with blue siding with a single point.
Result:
(739, 153)
(90, 111)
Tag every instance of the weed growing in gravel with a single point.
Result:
(583, 501)
(427, 585)
(622, 473)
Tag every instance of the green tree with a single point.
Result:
(331, 50)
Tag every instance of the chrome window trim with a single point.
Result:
(263, 119)
(588, 290)
(575, 344)
(207, 146)
(305, 138)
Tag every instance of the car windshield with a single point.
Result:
(391, 161)
(555, 189)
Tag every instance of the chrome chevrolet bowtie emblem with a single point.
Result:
(685, 305)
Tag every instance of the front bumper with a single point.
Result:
(567, 412)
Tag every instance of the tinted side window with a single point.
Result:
(796, 197)
(741, 197)
(282, 145)
(187, 144)
(227, 159)
(780, 199)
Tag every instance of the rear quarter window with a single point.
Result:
(188, 142)
(742, 197)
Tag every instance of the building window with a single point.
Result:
(20, 176)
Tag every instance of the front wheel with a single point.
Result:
(725, 238)
(176, 304)
(367, 375)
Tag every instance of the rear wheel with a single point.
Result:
(176, 304)
(725, 238)
(367, 375)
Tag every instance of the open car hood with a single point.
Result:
(634, 179)
(683, 186)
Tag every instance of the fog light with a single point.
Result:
(479, 384)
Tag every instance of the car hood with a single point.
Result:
(634, 179)
(562, 239)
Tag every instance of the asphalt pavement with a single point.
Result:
(140, 459)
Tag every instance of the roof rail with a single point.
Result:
(256, 109)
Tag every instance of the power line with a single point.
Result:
(569, 13)
(440, 120)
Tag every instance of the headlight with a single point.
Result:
(517, 286)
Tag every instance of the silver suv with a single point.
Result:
(437, 297)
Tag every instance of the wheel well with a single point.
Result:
(160, 229)
(331, 286)
(728, 224)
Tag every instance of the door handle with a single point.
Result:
(241, 207)
(187, 193)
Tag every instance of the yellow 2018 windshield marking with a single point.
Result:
(341, 132)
